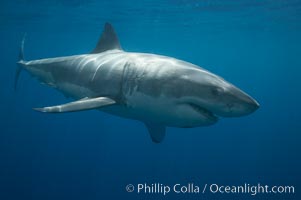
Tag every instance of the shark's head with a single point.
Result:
(226, 100)
(212, 96)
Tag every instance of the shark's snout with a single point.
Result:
(251, 105)
(241, 104)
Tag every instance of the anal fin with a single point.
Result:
(156, 131)
(82, 104)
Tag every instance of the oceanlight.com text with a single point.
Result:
(251, 189)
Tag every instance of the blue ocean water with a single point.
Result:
(254, 44)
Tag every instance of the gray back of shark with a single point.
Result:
(157, 90)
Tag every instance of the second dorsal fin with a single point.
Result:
(108, 40)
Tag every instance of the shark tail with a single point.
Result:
(20, 62)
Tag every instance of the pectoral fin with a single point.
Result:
(82, 104)
(156, 131)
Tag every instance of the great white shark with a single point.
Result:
(157, 90)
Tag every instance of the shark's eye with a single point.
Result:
(217, 91)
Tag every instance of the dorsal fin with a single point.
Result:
(108, 40)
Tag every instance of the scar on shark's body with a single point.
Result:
(157, 90)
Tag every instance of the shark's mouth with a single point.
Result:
(203, 111)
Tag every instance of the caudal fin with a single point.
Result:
(19, 63)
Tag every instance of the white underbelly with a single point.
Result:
(161, 110)
(74, 91)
